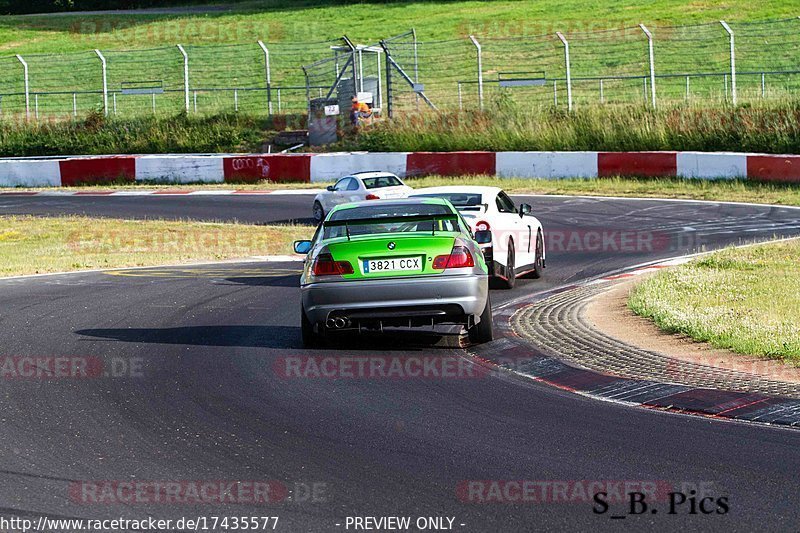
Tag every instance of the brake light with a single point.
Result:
(482, 226)
(324, 265)
(373, 197)
(459, 258)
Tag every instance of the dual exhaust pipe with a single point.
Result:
(338, 322)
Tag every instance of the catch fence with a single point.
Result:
(732, 62)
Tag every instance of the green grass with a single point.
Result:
(618, 50)
(711, 190)
(284, 20)
(144, 135)
(768, 128)
(36, 245)
(689, 189)
(746, 300)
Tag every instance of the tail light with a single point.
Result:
(324, 265)
(459, 258)
(373, 197)
(482, 226)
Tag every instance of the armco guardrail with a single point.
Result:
(304, 168)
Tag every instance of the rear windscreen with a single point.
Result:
(378, 226)
(381, 181)
(390, 210)
(458, 199)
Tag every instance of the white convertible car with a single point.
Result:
(517, 246)
(357, 188)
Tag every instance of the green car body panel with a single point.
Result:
(374, 247)
(361, 293)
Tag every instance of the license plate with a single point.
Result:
(395, 264)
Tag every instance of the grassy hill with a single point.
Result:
(290, 21)
(609, 72)
(516, 36)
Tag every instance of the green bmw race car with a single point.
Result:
(394, 263)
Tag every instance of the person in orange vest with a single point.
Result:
(358, 111)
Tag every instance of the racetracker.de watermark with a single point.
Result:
(200, 241)
(189, 492)
(530, 491)
(69, 367)
(581, 240)
(378, 367)
(127, 32)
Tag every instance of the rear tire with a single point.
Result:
(311, 339)
(511, 276)
(538, 266)
(482, 331)
(318, 212)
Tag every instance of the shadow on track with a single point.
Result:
(277, 337)
(292, 281)
(244, 336)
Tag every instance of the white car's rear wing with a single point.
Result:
(480, 208)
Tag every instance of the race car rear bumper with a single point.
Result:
(441, 299)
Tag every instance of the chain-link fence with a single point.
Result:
(254, 77)
(714, 62)
(639, 65)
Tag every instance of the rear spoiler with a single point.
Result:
(382, 220)
(478, 207)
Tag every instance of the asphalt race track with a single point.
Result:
(207, 399)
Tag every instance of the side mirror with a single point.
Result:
(302, 247)
(524, 209)
(330, 188)
(483, 237)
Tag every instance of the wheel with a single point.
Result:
(319, 212)
(538, 266)
(511, 277)
(311, 339)
(482, 331)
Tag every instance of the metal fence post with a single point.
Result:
(360, 69)
(652, 63)
(27, 87)
(555, 93)
(389, 86)
(569, 74)
(105, 80)
(480, 69)
(725, 82)
(354, 54)
(269, 75)
(185, 76)
(308, 92)
(733, 60)
(380, 86)
(416, 61)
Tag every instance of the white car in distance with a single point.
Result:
(518, 245)
(357, 188)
